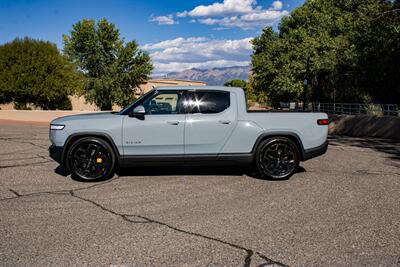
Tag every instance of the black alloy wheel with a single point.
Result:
(277, 158)
(91, 159)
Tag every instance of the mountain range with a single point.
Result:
(214, 76)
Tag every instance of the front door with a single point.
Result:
(210, 120)
(161, 130)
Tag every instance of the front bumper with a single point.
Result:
(56, 152)
(315, 152)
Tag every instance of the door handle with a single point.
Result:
(173, 122)
(224, 121)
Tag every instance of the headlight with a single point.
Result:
(56, 126)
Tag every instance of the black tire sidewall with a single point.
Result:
(78, 177)
(269, 142)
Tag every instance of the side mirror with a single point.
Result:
(138, 112)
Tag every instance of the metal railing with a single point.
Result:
(357, 109)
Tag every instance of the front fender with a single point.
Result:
(75, 136)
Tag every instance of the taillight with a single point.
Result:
(323, 122)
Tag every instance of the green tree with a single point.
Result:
(236, 83)
(377, 41)
(113, 68)
(346, 49)
(246, 86)
(35, 72)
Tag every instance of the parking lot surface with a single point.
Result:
(340, 209)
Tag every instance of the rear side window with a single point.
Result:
(206, 102)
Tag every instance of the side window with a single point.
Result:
(163, 103)
(207, 102)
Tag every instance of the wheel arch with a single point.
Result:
(290, 135)
(74, 137)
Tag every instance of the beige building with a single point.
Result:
(79, 103)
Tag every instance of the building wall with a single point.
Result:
(79, 102)
(7, 107)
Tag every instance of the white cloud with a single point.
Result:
(164, 20)
(198, 52)
(220, 9)
(173, 43)
(243, 14)
(267, 16)
(247, 21)
(277, 5)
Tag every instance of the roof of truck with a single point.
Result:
(223, 88)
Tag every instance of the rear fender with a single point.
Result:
(292, 136)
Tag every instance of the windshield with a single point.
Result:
(125, 109)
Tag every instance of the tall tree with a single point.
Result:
(114, 69)
(35, 72)
(339, 46)
(377, 41)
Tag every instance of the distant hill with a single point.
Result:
(214, 76)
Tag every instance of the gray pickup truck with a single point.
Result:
(188, 125)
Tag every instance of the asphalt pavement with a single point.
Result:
(341, 209)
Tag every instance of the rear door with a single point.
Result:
(211, 117)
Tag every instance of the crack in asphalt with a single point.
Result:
(267, 261)
(249, 252)
(139, 219)
(57, 192)
(21, 151)
(18, 140)
(21, 138)
(23, 141)
(25, 164)
(35, 157)
(15, 193)
(247, 260)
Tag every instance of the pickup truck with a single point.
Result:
(188, 125)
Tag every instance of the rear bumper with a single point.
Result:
(315, 151)
(55, 152)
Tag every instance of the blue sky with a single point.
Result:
(178, 34)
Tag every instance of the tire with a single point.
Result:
(277, 158)
(91, 159)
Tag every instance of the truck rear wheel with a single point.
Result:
(277, 158)
(91, 159)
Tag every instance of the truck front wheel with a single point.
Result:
(91, 159)
(277, 158)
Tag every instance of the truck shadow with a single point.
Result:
(193, 171)
(387, 146)
(181, 170)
